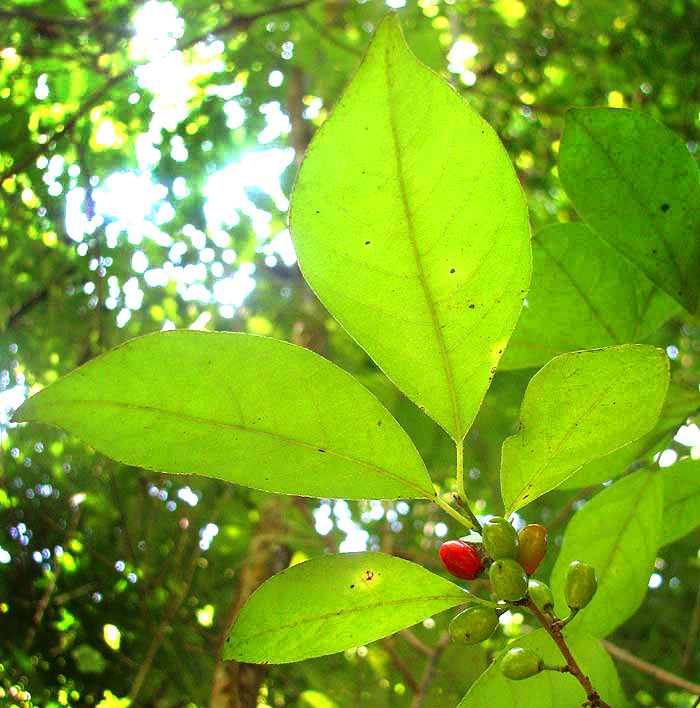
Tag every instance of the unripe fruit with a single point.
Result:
(580, 585)
(461, 559)
(520, 663)
(532, 547)
(541, 595)
(508, 580)
(473, 625)
(500, 539)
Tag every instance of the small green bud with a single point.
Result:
(520, 663)
(508, 580)
(580, 585)
(500, 539)
(473, 625)
(541, 595)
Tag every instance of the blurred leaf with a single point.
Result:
(681, 500)
(617, 532)
(636, 184)
(393, 222)
(249, 410)
(584, 295)
(89, 660)
(548, 689)
(576, 408)
(335, 602)
(681, 402)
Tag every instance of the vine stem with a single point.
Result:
(554, 631)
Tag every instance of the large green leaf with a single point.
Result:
(411, 227)
(617, 532)
(578, 407)
(681, 402)
(636, 184)
(250, 410)
(334, 602)
(549, 689)
(681, 500)
(584, 295)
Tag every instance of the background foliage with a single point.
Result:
(146, 157)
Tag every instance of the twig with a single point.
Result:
(651, 669)
(50, 587)
(415, 642)
(692, 632)
(428, 671)
(554, 631)
(396, 660)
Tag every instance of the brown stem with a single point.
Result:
(554, 631)
(429, 671)
(658, 673)
(692, 632)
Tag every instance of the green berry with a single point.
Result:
(520, 663)
(473, 625)
(541, 595)
(580, 585)
(508, 580)
(500, 539)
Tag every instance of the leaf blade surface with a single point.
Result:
(249, 410)
(578, 407)
(335, 602)
(411, 227)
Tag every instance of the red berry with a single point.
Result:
(461, 559)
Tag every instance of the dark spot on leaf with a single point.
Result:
(526, 496)
(367, 243)
(500, 351)
(379, 423)
(665, 207)
(654, 251)
(317, 211)
(472, 306)
(352, 586)
(452, 270)
(320, 449)
(369, 574)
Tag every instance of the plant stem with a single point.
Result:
(554, 631)
(460, 470)
(472, 516)
(469, 523)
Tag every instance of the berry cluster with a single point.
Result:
(510, 558)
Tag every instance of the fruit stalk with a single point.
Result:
(554, 631)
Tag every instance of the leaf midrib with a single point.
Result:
(582, 294)
(255, 431)
(640, 203)
(420, 272)
(354, 610)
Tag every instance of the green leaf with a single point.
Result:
(617, 532)
(335, 602)
(636, 184)
(249, 410)
(584, 295)
(578, 407)
(549, 689)
(681, 403)
(410, 225)
(681, 500)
